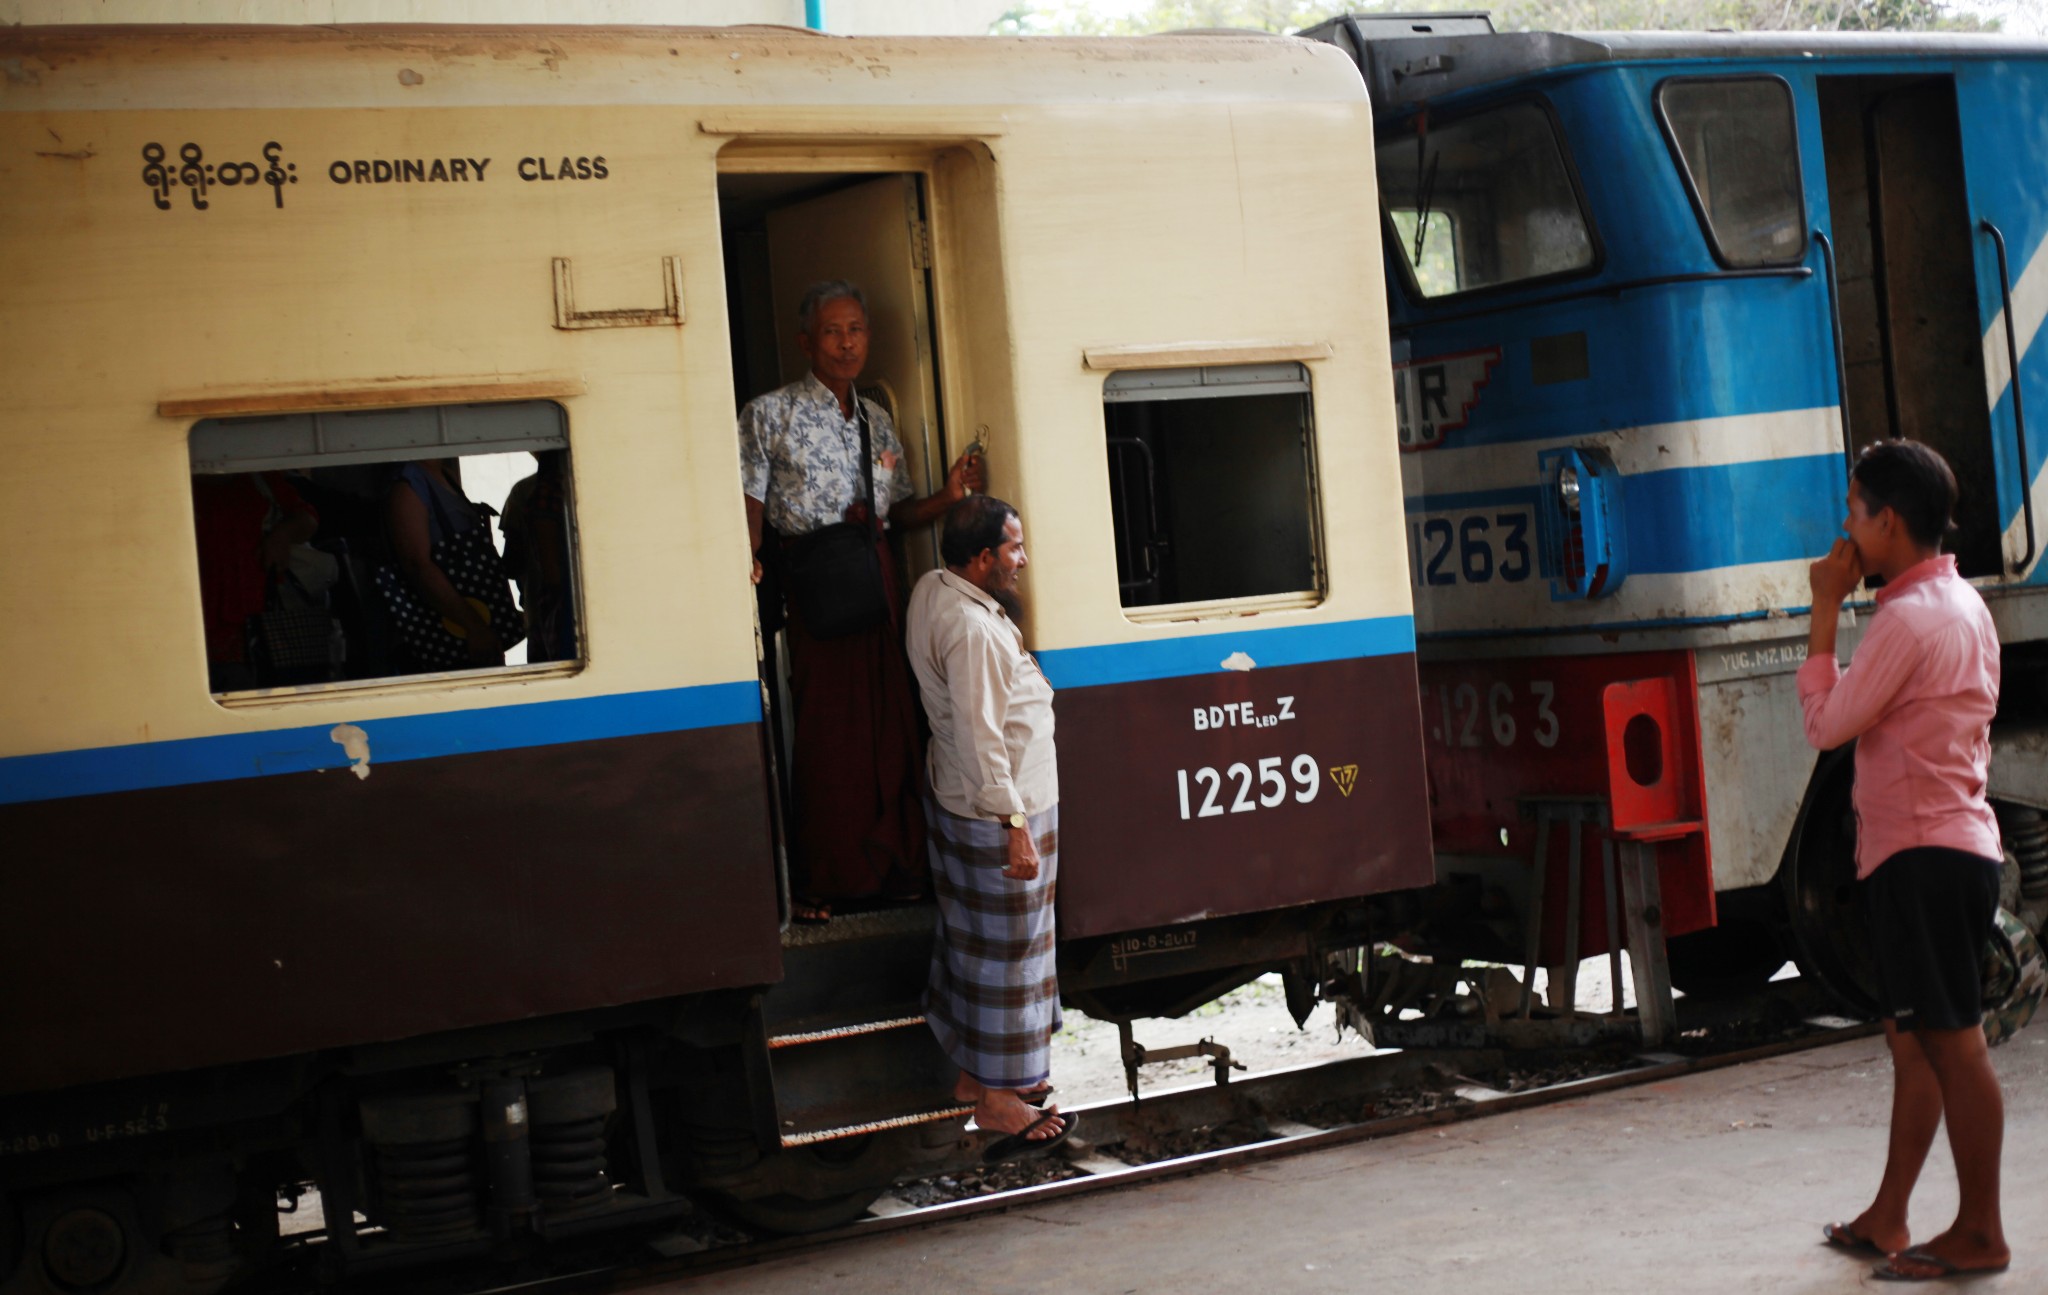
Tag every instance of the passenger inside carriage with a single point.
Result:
(248, 525)
(347, 605)
(824, 478)
(446, 588)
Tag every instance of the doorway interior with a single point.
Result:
(781, 231)
(1907, 287)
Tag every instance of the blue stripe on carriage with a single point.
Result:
(1087, 667)
(408, 737)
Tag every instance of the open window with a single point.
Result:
(1737, 146)
(1484, 201)
(309, 575)
(1213, 486)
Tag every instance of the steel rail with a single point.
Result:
(1654, 1068)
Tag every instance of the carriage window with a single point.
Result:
(1483, 201)
(1738, 149)
(1212, 485)
(372, 544)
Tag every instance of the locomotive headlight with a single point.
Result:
(1568, 488)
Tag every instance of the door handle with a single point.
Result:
(2019, 417)
(1827, 256)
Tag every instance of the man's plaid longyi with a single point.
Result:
(993, 1000)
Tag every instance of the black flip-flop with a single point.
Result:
(1844, 1237)
(1021, 1143)
(1037, 1096)
(1889, 1272)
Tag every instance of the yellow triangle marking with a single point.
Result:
(1345, 776)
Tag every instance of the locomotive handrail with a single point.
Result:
(1827, 256)
(1613, 290)
(2019, 417)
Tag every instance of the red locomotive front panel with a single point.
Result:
(1235, 792)
(1507, 733)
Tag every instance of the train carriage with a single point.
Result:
(1650, 293)
(488, 952)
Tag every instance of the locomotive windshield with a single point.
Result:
(1483, 201)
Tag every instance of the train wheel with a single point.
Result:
(1830, 940)
(823, 1189)
(787, 1215)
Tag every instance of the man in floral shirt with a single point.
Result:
(856, 767)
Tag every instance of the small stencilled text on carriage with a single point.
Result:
(203, 180)
(1790, 654)
(1242, 714)
(407, 170)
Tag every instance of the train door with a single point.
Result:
(1906, 286)
(785, 230)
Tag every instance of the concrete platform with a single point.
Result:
(1713, 1183)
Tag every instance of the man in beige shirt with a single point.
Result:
(993, 814)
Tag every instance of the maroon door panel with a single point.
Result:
(1235, 792)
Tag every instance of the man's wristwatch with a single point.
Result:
(1015, 820)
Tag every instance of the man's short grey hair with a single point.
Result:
(819, 293)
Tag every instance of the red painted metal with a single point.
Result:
(1498, 730)
(1652, 772)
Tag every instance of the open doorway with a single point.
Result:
(1905, 267)
(783, 231)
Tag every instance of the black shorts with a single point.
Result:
(1930, 911)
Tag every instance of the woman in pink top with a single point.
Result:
(1918, 700)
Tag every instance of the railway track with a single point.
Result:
(1259, 1118)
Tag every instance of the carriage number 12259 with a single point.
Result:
(1208, 785)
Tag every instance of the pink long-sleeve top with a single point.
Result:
(1920, 694)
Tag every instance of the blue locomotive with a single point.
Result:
(1649, 294)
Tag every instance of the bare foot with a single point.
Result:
(1887, 1236)
(1001, 1110)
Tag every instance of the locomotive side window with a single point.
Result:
(355, 545)
(1212, 484)
(1483, 201)
(1738, 149)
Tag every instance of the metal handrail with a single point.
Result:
(2019, 416)
(1827, 256)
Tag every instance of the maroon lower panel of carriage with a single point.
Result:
(161, 930)
(1231, 792)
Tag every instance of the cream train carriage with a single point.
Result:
(497, 951)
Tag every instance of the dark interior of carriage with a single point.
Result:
(338, 603)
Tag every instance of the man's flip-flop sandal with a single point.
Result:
(1844, 1237)
(1888, 1271)
(1037, 1096)
(1021, 1143)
